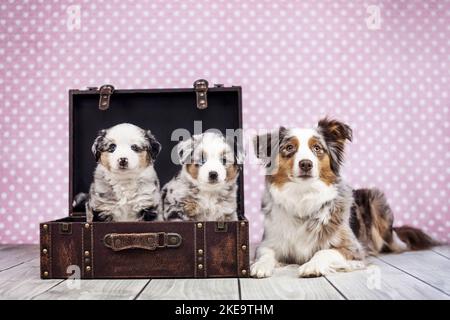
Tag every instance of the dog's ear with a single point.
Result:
(154, 147)
(99, 144)
(266, 146)
(335, 134)
(185, 149)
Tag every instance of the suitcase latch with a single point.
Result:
(221, 226)
(201, 88)
(105, 96)
(65, 228)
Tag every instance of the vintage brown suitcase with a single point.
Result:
(145, 249)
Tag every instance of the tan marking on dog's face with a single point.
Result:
(232, 172)
(326, 174)
(144, 159)
(192, 169)
(104, 160)
(285, 162)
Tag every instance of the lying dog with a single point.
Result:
(125, 186)
(205, 189)
(312, 217)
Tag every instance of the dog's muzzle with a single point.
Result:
(123, 163)
(305, 168)
(213, 176)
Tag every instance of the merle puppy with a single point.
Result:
(205, 189)
(125, 186)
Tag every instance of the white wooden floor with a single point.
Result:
(411, 275)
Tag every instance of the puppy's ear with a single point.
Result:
(185, 149)
(335, 134)
(266, 146)
(99, 144)
(154, 147)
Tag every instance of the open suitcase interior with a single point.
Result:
(206, 249)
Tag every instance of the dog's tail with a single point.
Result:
(412, 239)
(79, 201)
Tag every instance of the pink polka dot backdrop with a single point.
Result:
(381, 66)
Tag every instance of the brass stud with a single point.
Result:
(244, 272)
(200, 266)
(200, 251)
(244, 247)
(44, 251)
(87, 225)
(45, 226)
(199, 225)
(87, 253)
(88, 268)
(45, 274)
(243, 224)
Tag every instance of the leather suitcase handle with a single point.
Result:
(147, 241)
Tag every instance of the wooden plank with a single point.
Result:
(285, 284)
(381, 281)
(194, 289)
(94, 290)
(428, 266)
(23, 281)
(443, 250)
(13, 255)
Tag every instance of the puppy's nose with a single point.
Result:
(123, 162)
(213, 175)
(305, 165)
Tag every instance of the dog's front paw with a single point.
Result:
(148, 214)
(262, 269)
(191, 207)
(314, 269)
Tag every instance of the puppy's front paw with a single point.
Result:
(148, 214)
(261, 269)
(190, 207)
(314, 269)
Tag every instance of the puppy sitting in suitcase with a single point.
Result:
(125, 186)
(205, 189)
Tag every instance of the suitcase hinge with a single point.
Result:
(105, 96)
(201, 88)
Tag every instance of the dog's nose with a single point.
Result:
(305, 165)
(213, 175)
(123, 162)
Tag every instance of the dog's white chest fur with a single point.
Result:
(126, 192)
(129, 193)
(209, 201)
(292, 204)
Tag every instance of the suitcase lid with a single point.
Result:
(158, 110)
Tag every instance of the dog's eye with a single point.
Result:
(317, 148)
(112, 147)
(224, 160)
(289, 148)
(135, 148)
